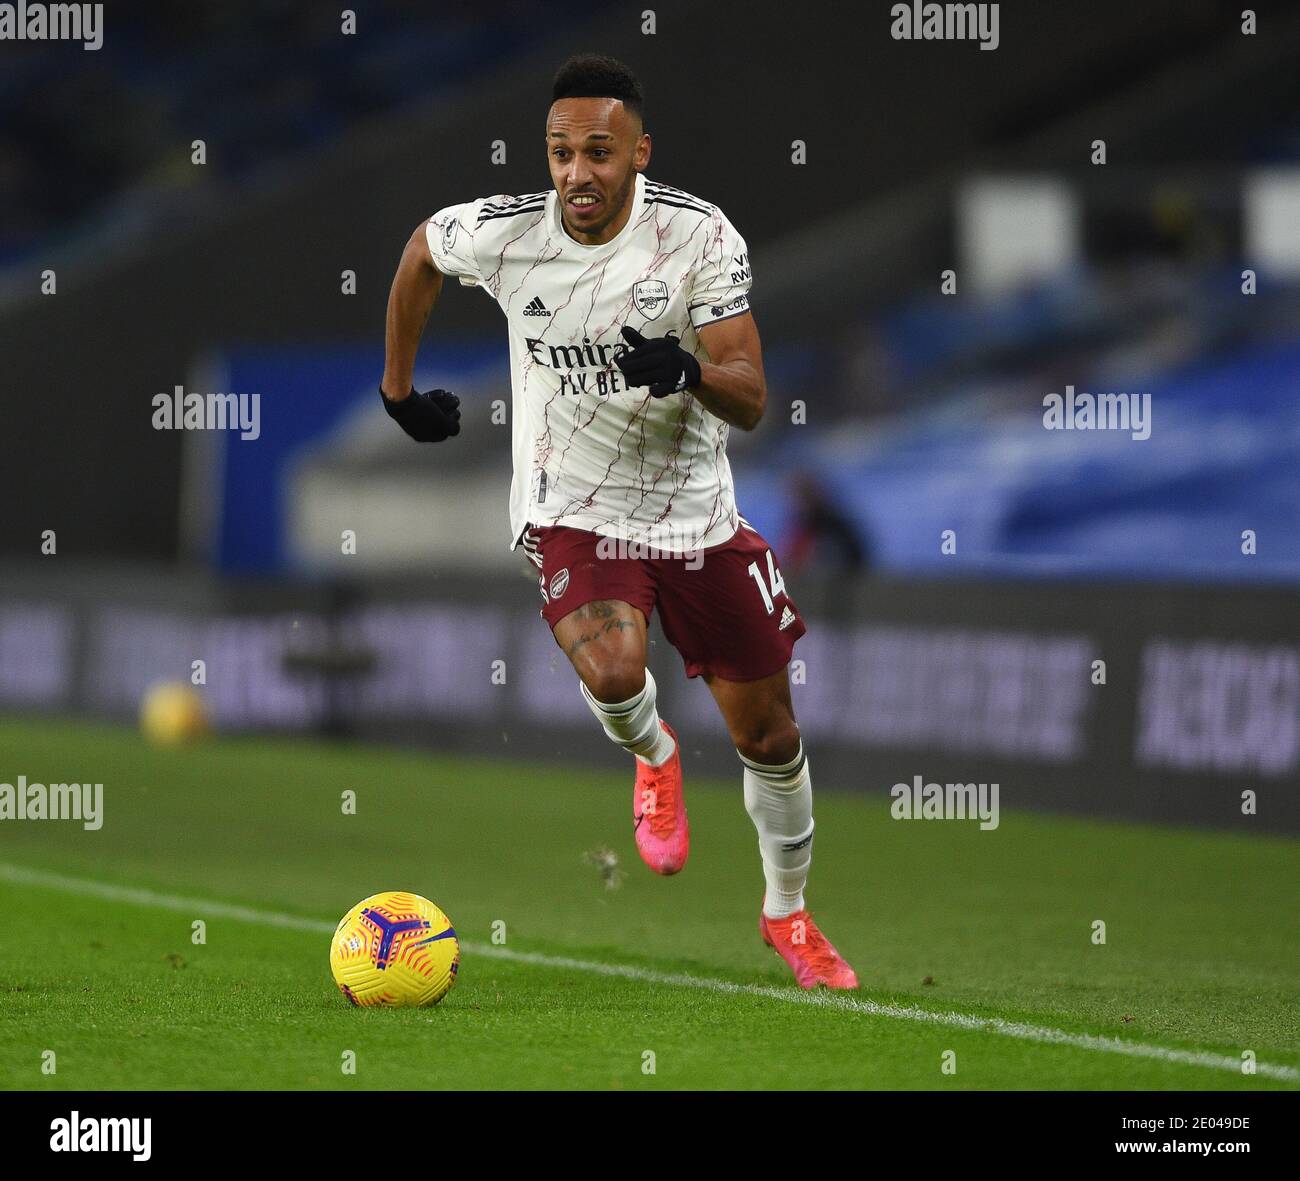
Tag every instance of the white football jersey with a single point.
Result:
(590, 452)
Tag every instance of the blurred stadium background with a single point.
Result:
(896, 411)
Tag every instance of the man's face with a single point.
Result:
(595, 147)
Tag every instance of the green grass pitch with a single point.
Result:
(1200, 954)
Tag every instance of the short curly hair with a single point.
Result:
(594, 75)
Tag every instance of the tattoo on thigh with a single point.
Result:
(604, 615)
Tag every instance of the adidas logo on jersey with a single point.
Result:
(787, 618)
(536, 307)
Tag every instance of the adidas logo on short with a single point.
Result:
(536, 307)
(787, 618)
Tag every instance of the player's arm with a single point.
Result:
(731, 383)
(434, 415)
(415, 290)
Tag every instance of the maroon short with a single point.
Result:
(725, 609)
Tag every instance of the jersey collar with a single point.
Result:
(570, 244)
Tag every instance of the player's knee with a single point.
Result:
(772, 744)
(615, 682)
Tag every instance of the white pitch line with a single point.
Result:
(209, 908)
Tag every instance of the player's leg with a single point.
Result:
(605, 641)
(598, 607)
(778, 797)
(778, 786)
(735, 625)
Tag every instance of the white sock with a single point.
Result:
(779, 802)
(634, 723)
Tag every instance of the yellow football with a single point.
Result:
(395, 948)
(173, 714)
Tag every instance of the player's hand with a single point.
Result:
(428, 417)
(661, 363)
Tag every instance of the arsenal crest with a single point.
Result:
(650, 297)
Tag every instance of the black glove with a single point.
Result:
(661, 363)
(430, 417)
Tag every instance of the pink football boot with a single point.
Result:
(663, 837)
(809, 953)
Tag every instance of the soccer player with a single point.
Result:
(633, 351)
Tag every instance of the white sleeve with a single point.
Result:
(720, 282)
(451, 233)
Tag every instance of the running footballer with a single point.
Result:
(633, 352)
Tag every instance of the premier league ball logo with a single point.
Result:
(650, 297)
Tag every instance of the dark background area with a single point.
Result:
(253, 255)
